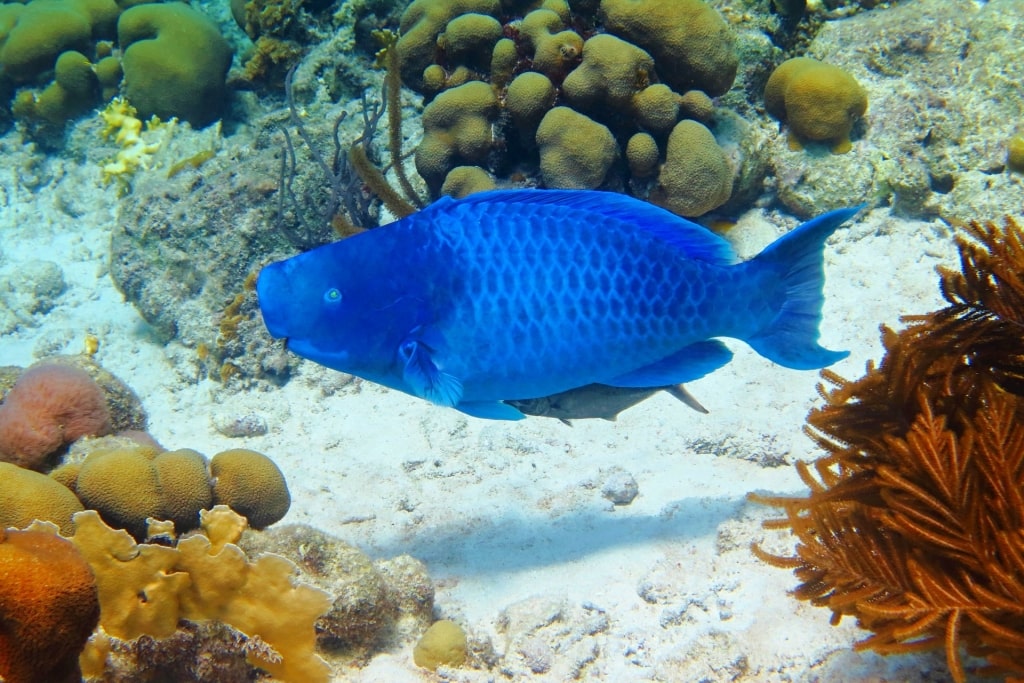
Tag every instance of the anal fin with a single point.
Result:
(685, 365)
(490, 410)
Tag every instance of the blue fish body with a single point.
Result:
(520, 294)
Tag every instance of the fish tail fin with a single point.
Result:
(791, 337)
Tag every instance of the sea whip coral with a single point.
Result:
(50, 406)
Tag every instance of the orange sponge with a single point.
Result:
(50, 406)
(48, 606)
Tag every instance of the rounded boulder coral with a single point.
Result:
(696, 176)
(48, 607)
(127, 485)
(818, 101)
(50, 406)
(250, 484)
(29, 495)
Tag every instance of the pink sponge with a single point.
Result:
(48, 407)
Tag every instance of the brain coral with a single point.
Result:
(49, 406)
(123, 485)
(29, 495)
(48, 606)
(444, 643)
(129, 484)
(250, 484)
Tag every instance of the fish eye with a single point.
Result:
(332, 296)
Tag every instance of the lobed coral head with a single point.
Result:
(50, 406)
(48, 606)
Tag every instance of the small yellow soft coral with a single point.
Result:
(145, 589)
(137, 146)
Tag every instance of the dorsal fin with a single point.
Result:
(694, 240)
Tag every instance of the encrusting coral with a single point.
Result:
(48, 606)
(915, 520)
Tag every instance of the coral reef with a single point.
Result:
(48, 606)
(915, 520)
(144, 590)
(599, 71)
(50, 406)
(128, 483)
(934, 140)
(64, 58)
(374, 602)
(41, 40)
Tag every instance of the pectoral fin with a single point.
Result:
(692, 362)
(425, 379)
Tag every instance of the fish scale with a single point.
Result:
(514, 295)
(615, 285)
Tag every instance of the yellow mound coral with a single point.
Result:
(818, 101)
(696, 176)
(443, 644)
(463, 181)
(611, 73)
(689, 40)
(184, 487)
(656, 108)
(145, 589)
(529, 96)
(555, 50)
(48, 605)
(576, 152)
(422, 22)
(642, 155)
(456, 131)
(129, 484)
(1015, 153)
(28, 495)
(250, 484)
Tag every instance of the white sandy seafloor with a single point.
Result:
(510, 517)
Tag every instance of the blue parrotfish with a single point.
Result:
(511, 295)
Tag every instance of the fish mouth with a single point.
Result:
(335, 359)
